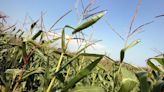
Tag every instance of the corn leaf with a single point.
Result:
(143, 82)
(33, 71)
(83, 73)
(89, 22)
(159, 86)
(160, 61)
(40, 54)
(51, 41)
(88, 89)
(63, 41)
(13, 72)
(24, 49)
(152, 65)
(127, 85)
(75, 57)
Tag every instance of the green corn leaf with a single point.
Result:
(60, 77)
(127, 73)
(159, 86)
(68, 62)
(83, 73)
(68, 26)
(32, 42)
(24, 49)
(75, 57)
(40, 54)
(2, 80)
(13, 73)
(63, 41)
(51, 41)
(153, 66)
(2, 88)
(89, 22)
(33, 71)
(143, 81)
(37, 34)
(91, 54)
(88, 89)
(127, 85)
(160, 61)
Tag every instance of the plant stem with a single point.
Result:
(54, 78)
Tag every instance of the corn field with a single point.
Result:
(30, 62)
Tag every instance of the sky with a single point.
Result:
(119, 15)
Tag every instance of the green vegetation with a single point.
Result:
(30, 63)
